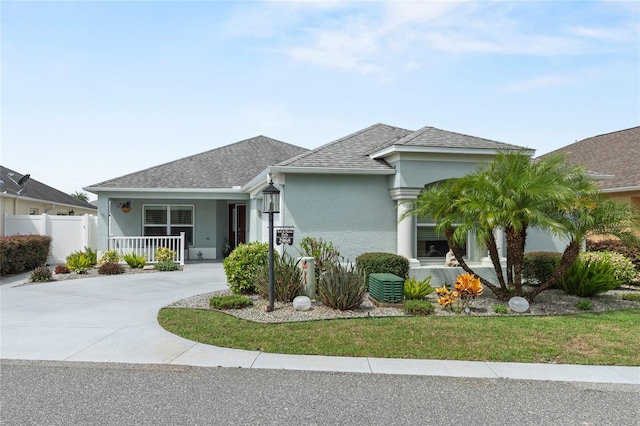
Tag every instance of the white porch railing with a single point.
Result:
(147, 246)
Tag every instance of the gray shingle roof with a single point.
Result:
(436, 138)
(351, 151)
(616, 153)
(38, 190)
(225, 167)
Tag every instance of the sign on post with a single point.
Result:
(284, 236)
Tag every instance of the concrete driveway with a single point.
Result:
(113, 319)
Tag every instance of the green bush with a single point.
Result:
(230, 301)
(630, 252)
(41, 274)
(243, 264)
(110, 268)
(287, 279)
(634, 297)
(22, 253)
(164, 254)
(324, 253)
(166, 266)
(538, 266)
(134, 260)
(584, 304)
(586, 278)
(79, 262)
(382, 263)
(417, 289)
(623, 268)
(500, 309)
(111, 256)
(419, 307)
(342, 287)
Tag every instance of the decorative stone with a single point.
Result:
(302, 303)
(518, 304)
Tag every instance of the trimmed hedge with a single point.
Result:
(22, 253)
(538, 266)
(382, 263)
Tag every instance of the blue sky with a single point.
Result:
(96, 90)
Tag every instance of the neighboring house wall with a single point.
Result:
(354, 212)
(68, 233)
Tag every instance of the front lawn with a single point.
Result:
(607, 338)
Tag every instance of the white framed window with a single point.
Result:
(168, 219)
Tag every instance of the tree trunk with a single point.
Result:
(568, 257)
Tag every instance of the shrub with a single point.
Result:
(111, 256)
(134, 261)
(287, 279)
(324, 253)
(164, 254)
(584, 304)
(243, 264)
(419, 307)
(630, 252)
(586, 278)
(110, 268)
(230, 301)
(21, 253)
(500, 309)
(417, 289)
(166, 266)
(41, 274)
(623, 268)
(538, 266)
(342, 287)
(62, 269)
(376, 263)
(634, 297)
(79, 262)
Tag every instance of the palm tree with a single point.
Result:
(80, 196)
(515, 194)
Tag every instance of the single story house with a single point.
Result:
(22, 195)
(614, 160)
(350, 192)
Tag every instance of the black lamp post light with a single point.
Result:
(271, 205)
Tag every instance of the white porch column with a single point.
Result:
(406, 235)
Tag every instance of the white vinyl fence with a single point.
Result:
(68, 233)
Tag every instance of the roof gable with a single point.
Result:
(37, 190)
(350, 152)
(616, 153)
(435, 138)
(226, 167)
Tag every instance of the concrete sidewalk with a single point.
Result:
(113, 319)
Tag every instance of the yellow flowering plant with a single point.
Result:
(465, 290)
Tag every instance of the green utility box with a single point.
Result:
(387, 288)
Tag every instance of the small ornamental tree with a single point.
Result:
(515, 193)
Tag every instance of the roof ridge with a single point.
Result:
(342, 139)
(566, 147)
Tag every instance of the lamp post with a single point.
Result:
(271, 205)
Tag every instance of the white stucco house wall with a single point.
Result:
(350, 192)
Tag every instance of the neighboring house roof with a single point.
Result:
(226, 167)
(351, 151)
(37, 190)
(616, 154)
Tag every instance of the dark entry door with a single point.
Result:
(237, 224)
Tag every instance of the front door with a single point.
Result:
(237, 225)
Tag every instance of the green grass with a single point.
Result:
(608, 338)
